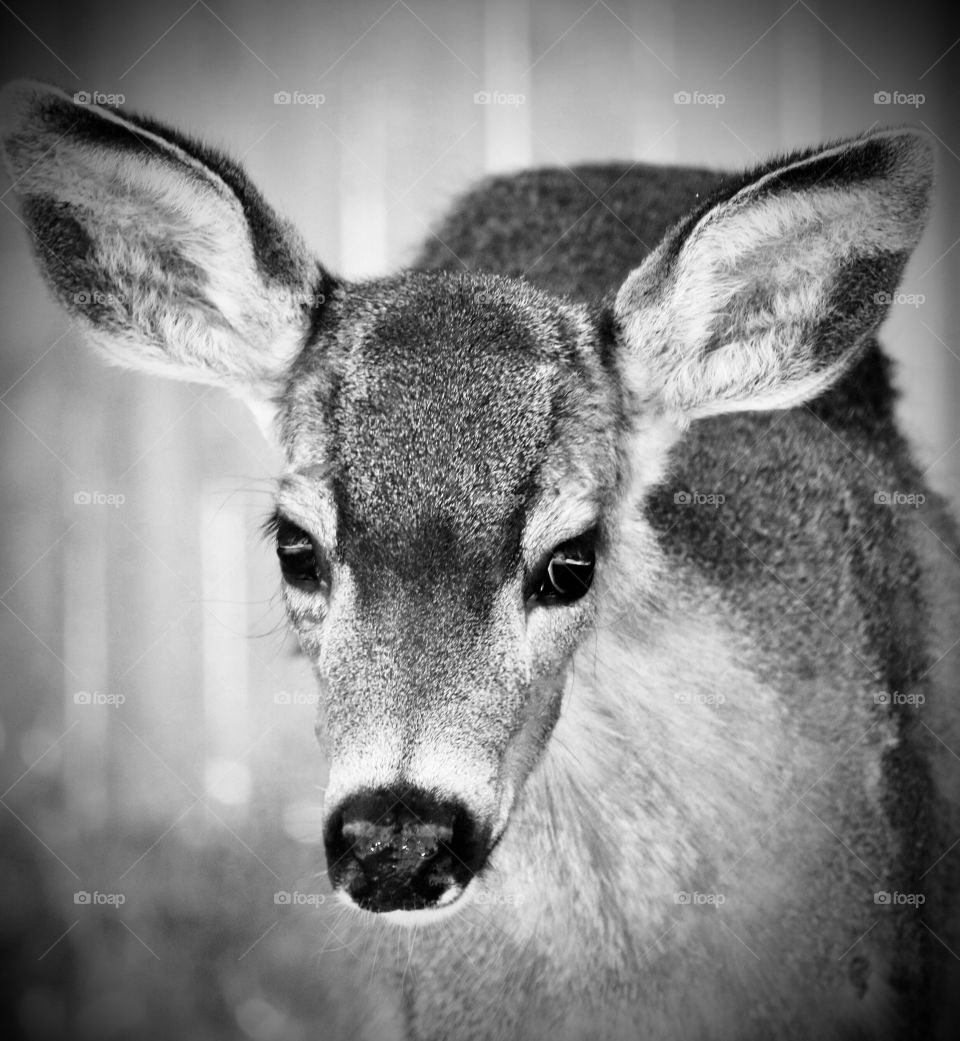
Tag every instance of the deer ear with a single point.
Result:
(159, 247)
(764, 297)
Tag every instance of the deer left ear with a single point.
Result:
(763, 299)
(161, 248)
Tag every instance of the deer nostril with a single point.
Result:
(402, 849)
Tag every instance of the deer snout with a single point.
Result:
(403, 849)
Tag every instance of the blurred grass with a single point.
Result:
(198, 950)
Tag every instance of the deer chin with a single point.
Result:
(427, 916)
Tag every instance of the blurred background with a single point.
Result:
(161, 870)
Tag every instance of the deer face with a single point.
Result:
(452, 445)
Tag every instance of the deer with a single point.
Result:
(633, 618)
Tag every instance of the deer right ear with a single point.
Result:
(161, 248)
(763, 299)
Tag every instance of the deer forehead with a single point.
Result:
(442, 412)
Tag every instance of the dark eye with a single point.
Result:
(567, 574)
(298, 556)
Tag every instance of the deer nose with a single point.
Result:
(402, 849)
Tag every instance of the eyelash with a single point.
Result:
(301, 562)
(566, 575)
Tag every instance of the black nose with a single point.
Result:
(402, 849)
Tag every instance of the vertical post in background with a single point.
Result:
(655, 125)
(226, 709)
(938, 269)
(157, 638)
(506, 57)
(86, 597)
(363, 129)
(799, 89)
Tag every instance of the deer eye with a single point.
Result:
(298, 557)
(566, 575)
